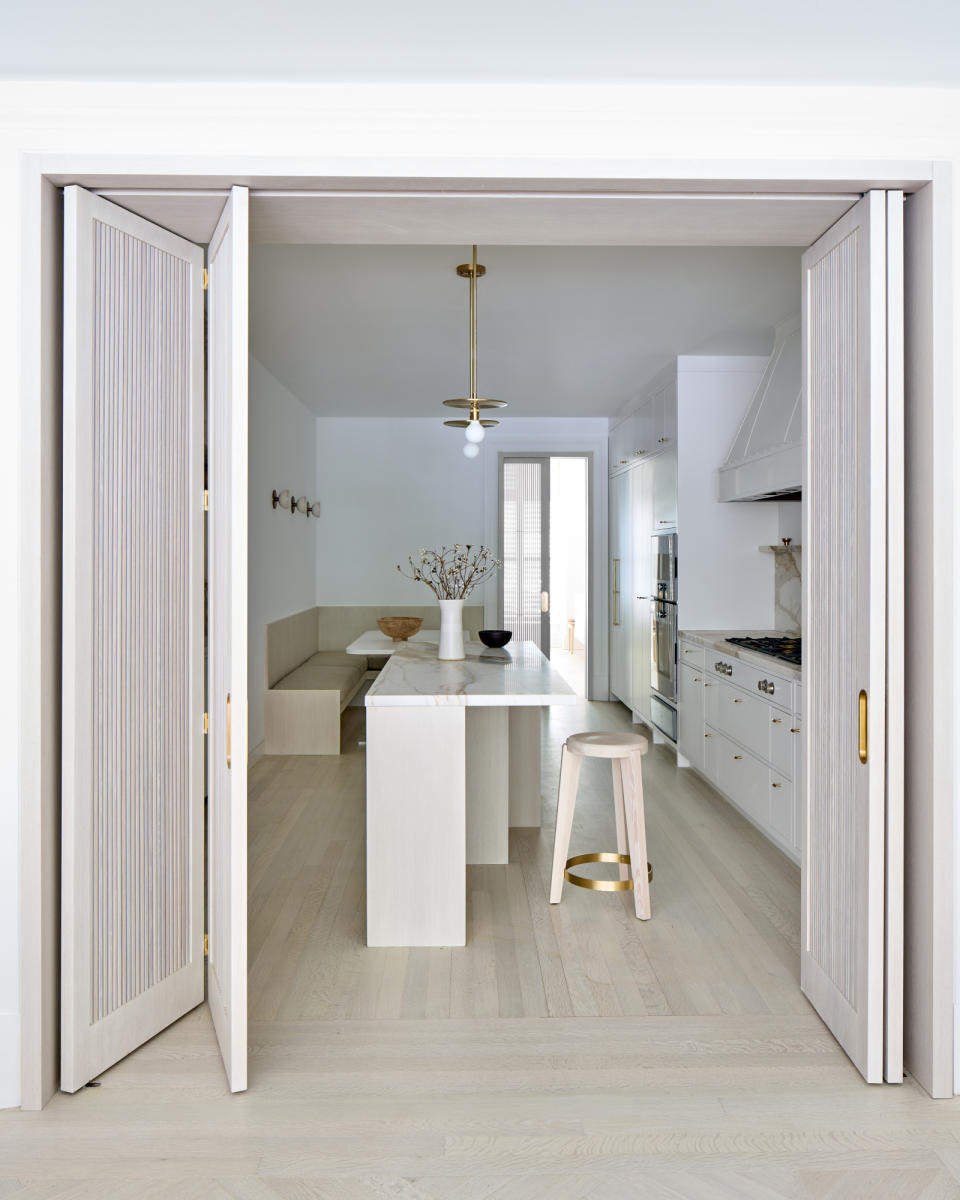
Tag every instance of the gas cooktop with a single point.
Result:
(786, 648)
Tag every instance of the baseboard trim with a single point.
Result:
(254, 755)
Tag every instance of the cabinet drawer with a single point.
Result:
(773, 688)
(745, 779)
(782, 741)
(782, 823)
(690, 714)
(691, 654)
(745, 719)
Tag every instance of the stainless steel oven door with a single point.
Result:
(665, 566)
(663, 649)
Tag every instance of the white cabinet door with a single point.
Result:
(621, 595)
(690, 739)
(745, 779)
(664, 499)
(665, 417)
(641, 500)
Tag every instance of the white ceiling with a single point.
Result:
(832, 41)
(512, 218)
(572, 331)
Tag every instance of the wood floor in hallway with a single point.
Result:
(724, 938)
(566, 1053)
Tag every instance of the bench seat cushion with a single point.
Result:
(314, 676)
(338, 658)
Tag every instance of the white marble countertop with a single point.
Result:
(517, 674)
(375, 642)
(715, 639)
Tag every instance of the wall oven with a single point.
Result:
(663, 635)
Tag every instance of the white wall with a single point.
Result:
(568, 549)
(389, 488)
(442, 132)
(283, 547)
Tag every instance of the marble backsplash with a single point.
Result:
(788, 595)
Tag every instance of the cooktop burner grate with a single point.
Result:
(786, 648)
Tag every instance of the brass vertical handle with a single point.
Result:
(863, 726)
(228, 729)
(544, 601)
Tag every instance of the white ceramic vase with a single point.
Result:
(451, 630)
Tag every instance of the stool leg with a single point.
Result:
(566, 802)
(636, 833)
(623, 846)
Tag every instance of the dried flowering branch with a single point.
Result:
(452, 574)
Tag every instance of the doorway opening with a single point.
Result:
(379, 988)
(544, 547)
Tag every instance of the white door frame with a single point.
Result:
(931, 756)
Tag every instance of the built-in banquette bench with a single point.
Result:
(311, 679)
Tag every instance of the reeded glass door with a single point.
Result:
(525, 548)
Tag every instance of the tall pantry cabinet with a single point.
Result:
(663, 477)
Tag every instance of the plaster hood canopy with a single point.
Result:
(765, 461)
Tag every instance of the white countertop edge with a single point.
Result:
(715, 639)
(460, 701)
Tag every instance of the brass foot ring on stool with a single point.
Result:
(601, 885)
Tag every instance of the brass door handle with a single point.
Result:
(544, 601)
(228, 730)
(863, 726)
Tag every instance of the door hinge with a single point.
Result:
(206, 945)
(206, 722)
(206, 279)
(206, 500)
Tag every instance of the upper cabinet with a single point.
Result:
(651, 430)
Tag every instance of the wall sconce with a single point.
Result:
(295, 504)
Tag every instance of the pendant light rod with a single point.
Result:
(473, 326)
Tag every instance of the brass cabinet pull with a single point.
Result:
(794, 730)
(863, 726)
(736, 701)
(737, 757)
(708, 735)
(616, 591)
(776, 785)
(228, 729)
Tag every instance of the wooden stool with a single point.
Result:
(624, 751)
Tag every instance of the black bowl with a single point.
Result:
(495, 638)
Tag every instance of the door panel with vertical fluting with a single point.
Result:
(227, 606)
(845, 323)
(525, 548)
(132, 863)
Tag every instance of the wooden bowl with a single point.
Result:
(399, 628)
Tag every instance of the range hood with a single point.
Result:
(766, 461)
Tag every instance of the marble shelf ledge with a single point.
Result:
(519, 674)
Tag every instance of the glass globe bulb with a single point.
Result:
(471, 450)
(475, 432)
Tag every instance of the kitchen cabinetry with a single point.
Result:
(740, 728)
(663, 459)
(641, 513)
(621, 595)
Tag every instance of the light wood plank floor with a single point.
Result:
(723, 939)
(571, 1053)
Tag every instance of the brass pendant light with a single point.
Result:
(475, 427)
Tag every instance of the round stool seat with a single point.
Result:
(608, 744)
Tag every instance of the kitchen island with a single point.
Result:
(453, 761)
